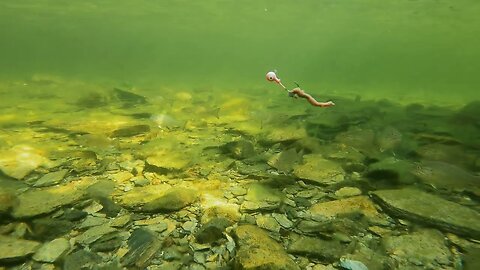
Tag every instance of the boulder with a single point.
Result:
(258, 251)
(173, 200)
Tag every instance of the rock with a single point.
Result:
(241, 149)
(130, 131)
(395, 170)
(388, 139)
(348, 192)
(20, 160)
(92, 221)
(212, 230)
(43, 201)
(81, 260)
(260, 197)
(52, 251)
(129, 98)
(13, 249)
(121, 221)
(51, 179)
(429, 209)
(102, 188)
(142, 246)
(72, 214)
(7, 201)
(94, 233)
(108, 242)
(359, 204)
(282, 220)
(268, 223)
(426, 248)
(189, 226)
(258, 251)
(173, 200)
(325, 250)
(49, 229)
(352, 265)
(164, 161)
(109, 207)
(442, 175)
(285, 134)
(285, 160)
(139, 196)
(318, 170)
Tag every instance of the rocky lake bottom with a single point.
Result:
(103, 177)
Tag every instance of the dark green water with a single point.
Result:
(425, 50)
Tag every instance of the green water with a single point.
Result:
(143, 135)
(424, 50)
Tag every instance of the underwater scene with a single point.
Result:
(244, 135)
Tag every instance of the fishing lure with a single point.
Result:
(297, 92)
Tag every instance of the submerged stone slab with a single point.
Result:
(318, 170)
(429, 209)
(173, 200)
(259, 251)
(43, 201)
(13, 249)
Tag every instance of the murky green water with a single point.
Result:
(143, 135)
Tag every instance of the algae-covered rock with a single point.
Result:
(212, 230)
(241, 149)
(18, 161)
(142, 246)
(430, 209)
(13, 249)
(358, 204)
(425, 248)
(285, 160)
(318, 170)
(260, 197)
(42, 201)
(395, 170)
(173, 200)
(258, 251)
(326, 250)
(7, 201)
(52, 251)
(130, 131)
(51, 178)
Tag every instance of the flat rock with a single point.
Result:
(258, 251)
(212, 230)
(94, 233)
(268, 223)
(51, 251)
(425, 248)
(139, 196)
(430, 209)
(13, 249)
(318, 170)
(7, 201)
(51, 179)
(357, 204)
(173, 200)
(43, 201)
(142, 246)
(348, 192)
(261, 197)
(21, 160)
(81, 260)
(325, 250)
(130, 131)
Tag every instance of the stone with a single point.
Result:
(109, 242)
(261, 197)
(348, 192)
(424, 247)
(212, 230)
(20, 160)
(13, 249)
(241, 149)
(268, 223)
(432, 210)
(49, 229)
(7, 201)
(173, 200)
(94, 233)
(282, 220)
(142, 246)
(258, 251)
(318, 170)
(52, 251)
(442, 175)
(285, 160)
(164, 161)
(42, 201)
(130, 131)
(139, 196)
(358, 204)
(51, 179)
(325, 250)
(81, 260)
(391, 169)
